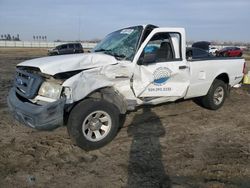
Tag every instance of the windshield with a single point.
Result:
(121, 44)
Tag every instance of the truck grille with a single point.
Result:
(27, 84)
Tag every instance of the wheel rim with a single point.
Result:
(96, 126)
(219, 95)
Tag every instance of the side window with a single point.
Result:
(59, 47)
(64, 46)
(71, 46)
(162, 47)
(176, 41)
(77, 46)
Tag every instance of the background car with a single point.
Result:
(205, 45)
(230, 52)
(197, 53)
(69, 48)
(213, 50)
(202, 45)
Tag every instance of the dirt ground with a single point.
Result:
(172, 145)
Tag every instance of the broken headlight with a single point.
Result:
(50, 90)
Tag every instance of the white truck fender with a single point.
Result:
(85, 83)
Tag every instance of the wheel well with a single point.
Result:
(111, 95)
(223, 77)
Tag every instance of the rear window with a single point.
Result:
(63, 46)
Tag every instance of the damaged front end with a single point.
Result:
(36, 99)
(46, 89)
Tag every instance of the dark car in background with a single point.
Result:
(202, 45)
(69, 48)
(197, 53)
(230, 52)
(207, 46)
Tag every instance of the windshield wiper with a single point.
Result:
(120, 56)
(101, 50)
(110, 52)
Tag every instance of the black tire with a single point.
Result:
(81, 114)
(209, 101)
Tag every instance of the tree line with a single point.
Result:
(40, 37)
(10, 37)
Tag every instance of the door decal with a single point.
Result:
(161, 76)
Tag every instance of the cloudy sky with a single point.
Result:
(223, 20)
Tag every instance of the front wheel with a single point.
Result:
(215, 96)
(92, 124)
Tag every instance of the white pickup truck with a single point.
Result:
(130, 67)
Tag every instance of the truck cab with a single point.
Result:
(161, 58)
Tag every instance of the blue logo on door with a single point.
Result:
(161, 76)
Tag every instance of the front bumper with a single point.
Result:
(42, 117)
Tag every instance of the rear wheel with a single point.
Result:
(216, 95)
(92, 124)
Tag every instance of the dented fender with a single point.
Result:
(88, 81)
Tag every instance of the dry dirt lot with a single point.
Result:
(172, 145)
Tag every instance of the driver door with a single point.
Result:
(160, 70)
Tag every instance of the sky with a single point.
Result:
(220, 20)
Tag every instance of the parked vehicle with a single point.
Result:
(70, 48)
(230, 52)
(205, 45)
(129, 68)
(213, 50)
(197, 53)
(202, 44)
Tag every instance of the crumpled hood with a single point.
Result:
(64, 63)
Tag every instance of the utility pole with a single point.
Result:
(79, 28)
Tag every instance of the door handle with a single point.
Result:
(183, 67)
